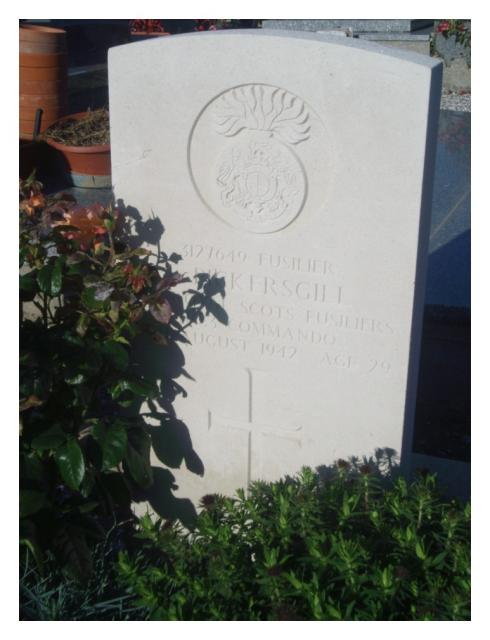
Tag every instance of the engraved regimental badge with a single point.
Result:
(244, 158)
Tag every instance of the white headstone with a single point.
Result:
(298, 167)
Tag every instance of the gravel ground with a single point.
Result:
(456, 102)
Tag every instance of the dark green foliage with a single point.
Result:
(310, 549)
(88, 291)
(50, 595)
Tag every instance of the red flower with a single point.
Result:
(443, 26)
(137, 278)
(36, 201)
(204, 25)
(88, 223)
(146, 26)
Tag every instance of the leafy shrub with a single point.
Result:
(304, 548)
(88, 292)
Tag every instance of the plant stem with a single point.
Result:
(45, 310)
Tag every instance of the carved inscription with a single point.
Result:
(286, 305)
(270, 261)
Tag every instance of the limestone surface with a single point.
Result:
(299, 168)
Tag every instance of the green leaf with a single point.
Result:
(31, 502)
(297, 584)
(57, 277)
(82, 324)
(52, 438)
(27, 287)
(44, 278)
(103, 291)
(332, 611)
(75, 269)
(32, 469)
(113, 441)
(29, 537)
(114, 312)
(419, 550)
(89, 506)
(71, 464)
(439, 559)
(138, 458)
(89, 300)
(27, 358)
(141, 388)
(74, 379)
(88, 483)
(73, 340)
(116, 354)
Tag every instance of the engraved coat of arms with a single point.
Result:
(252, 155)
(260, 177)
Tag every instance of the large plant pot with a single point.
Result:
(86, 167)
(43, 77)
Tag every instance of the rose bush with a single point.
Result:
(87, 291)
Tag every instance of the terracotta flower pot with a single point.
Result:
(34, 38)
(43, 76)
(87, 167)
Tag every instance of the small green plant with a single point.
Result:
(344, 548)
(87, 295)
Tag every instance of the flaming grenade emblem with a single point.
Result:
(260, 177)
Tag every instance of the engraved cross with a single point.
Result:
(255, 431)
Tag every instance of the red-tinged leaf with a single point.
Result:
(31, 401)
(170, 281)
(162, 312)
(76, 257)
(159, 338)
